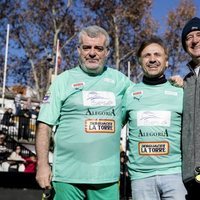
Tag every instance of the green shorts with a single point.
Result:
(66, 191)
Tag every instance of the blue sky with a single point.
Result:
(160, 11)
(161, 8)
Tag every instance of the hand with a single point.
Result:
(43, 176)
(176, 81)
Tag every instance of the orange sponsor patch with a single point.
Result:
(99, 126)
(153, 148)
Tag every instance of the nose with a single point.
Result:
(196, 39)
(152, 59)
(92, 52)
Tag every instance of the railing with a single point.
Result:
(11, 144)
(15, 129)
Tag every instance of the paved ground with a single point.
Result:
(19, 186)
(20, 194)
(23, 186)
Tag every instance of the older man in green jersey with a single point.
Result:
(84, 104)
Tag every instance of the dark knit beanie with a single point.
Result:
(192, 25)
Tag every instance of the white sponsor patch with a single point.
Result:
(98, 98)
(99, 126)
(109, 80)
(171, 93)
(153, 148)
(153, 118)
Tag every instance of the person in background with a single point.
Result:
(15, 162)
(4, 150)
(30, 164)
(84, 103)
(154, 112)
(24, 122)
(17, 102)
(36, 113)
(8, 117)
(125, 183)
(191, 110)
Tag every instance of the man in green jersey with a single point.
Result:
(84, 104)
(154, 111)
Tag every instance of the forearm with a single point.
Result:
(42, 143)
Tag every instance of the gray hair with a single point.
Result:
(94, 31)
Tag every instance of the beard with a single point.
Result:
(94, 71)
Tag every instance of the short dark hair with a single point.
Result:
(147, 42)
(37, 107)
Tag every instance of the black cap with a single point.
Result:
(192, 25)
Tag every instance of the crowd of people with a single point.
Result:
(17, 126)
(21, 122)
(12, 159)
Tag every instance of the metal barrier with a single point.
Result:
(19, 130)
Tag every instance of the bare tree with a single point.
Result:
(176, 21)
(5, 9)
(127, 21)
(36, 27)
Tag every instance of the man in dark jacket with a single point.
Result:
(191, 106)
(24, 121)
(8, 118)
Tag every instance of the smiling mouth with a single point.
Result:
(196, 48)
(152, 66)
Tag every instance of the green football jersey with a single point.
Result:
(155, 113)
(86, 111)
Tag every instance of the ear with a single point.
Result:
(167, 64)
(79, 50)
(139, 61)
(108, 52)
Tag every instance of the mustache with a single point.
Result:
(153, 64)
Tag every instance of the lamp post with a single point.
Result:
(50, 64)
(5, 66)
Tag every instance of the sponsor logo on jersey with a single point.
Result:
(95, 112)
(99, 126)
(153, 134)
(137, 95)
(153, 148)
(172, 93)
(78, 85)
(109, 80)
(46, 98)
(98, 98)
(154, 118)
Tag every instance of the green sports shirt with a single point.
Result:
(86, 111)
(155, 113)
